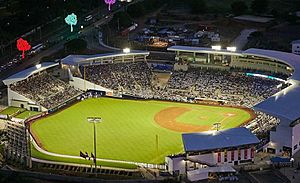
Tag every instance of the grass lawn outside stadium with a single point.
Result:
(129, 128)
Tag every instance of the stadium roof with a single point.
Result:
(234, 137)
(203, 50)
(28, 72)
(77, 59)
(284, 104)
(288, 58)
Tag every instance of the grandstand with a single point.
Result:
(283, 105)
(263, 80)
(202, 74)
(37, 90)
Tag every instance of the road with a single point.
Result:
(242, 39)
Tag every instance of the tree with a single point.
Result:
(75, 45)
(109, 2)
(259, 6)
(136, 10)
(71, 20)
(239, 7)
(122, 20)
(23, 46)
(197, 6)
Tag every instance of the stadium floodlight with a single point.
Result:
(217, 47)
(38, 66)
(95, 120)
(126, 50)
(231, 48)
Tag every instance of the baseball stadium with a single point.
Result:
(130, 109)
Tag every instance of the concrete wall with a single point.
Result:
(295, 139)
(279, 138)
(296, 48)
(174, 164)
(212, 158)
(194, 162)
(86, 85)
(17, 100)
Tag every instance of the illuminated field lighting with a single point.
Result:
(217, 47)
(94, 119)
(232, 48)
(126, 50)
(38, 66)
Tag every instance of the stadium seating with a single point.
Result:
(137, 79)
(46, 90)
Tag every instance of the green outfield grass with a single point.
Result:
(23, 113)
(128, 131)
(10, 110)
(26, 114)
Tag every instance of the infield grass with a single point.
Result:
(128, 130)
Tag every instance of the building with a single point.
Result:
(213, 151)
(296, 47)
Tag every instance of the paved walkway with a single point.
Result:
(291, 172)
(242, 39)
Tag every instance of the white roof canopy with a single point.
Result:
(79, 59)
(203, 141)
(28, 72)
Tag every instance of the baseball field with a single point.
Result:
(131, 130)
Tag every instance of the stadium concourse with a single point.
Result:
(266, 81)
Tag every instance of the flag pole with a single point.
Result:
(156, 140)
(84, 77)
(95, 160)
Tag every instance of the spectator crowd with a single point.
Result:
(137, 79)
(232, 87)
(45, 90)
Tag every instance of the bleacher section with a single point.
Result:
(132, 77)
(45, 90)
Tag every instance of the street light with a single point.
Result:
(94, 120)
(217, 47)
(231, 48)
(126, 50)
